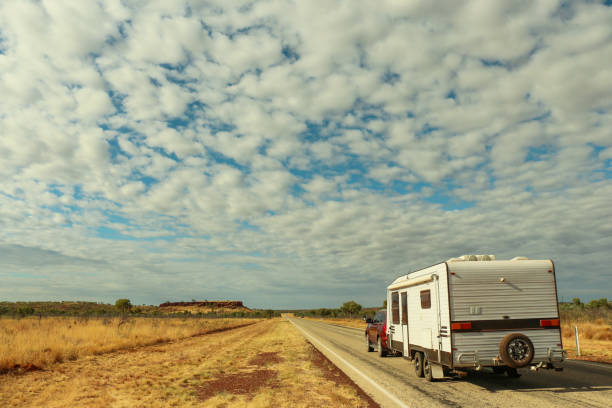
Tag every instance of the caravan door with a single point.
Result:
(404, 319)
(395, 328)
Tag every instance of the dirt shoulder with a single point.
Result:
(265, 364)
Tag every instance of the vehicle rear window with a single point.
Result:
(395, 307)
(425, 299)
(404, 308)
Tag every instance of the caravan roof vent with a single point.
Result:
(520, 258)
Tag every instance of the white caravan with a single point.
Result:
(473, 312)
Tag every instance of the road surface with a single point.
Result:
(391, 380)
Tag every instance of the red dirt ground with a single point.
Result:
(264, 358)
(241, 383)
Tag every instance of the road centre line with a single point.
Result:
(352, 367)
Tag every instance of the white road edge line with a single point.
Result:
(352, 367)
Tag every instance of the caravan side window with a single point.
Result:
(395, 307)
(425, 299)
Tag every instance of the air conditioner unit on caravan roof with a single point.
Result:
(473, 258)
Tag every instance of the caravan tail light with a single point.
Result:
(461, 326)
(549, 323)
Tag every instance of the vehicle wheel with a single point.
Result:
(498, 370)
(381, 350)
(516, 350)
(370, 348)
(512, 373)
(427, 371)
(418, 364)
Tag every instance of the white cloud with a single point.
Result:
(310, 142)
(92, 104)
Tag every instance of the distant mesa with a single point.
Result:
(217, 304)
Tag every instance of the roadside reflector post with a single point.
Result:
(577, 341)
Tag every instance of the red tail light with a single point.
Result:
(461, 326)
(549, 323)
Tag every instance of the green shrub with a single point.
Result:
(123, 305)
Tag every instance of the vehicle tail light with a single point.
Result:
(549, 323)
(461, 326)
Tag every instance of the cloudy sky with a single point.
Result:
(299, 153)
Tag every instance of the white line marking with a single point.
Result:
(352, 367)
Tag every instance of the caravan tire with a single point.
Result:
(427, 371)
(512, 373)
(418, 364)
(516, 350)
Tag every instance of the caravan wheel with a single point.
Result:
(512, 373)
(516, 350)
(418, 364)
(427, 372)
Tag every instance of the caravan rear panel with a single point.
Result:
(500, 297)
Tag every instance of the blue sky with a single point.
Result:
(299, 154)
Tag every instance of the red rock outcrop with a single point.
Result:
(227, 304)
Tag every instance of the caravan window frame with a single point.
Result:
(395, 317)
(426, 299)
(404, 303)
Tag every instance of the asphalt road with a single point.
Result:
(391, 380)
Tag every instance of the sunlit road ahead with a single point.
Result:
(391, 380)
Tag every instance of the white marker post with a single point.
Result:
(577, 341)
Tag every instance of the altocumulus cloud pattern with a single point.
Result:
(299, 153)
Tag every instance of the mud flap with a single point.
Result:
(437, 371)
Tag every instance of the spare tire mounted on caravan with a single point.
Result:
(474, 312)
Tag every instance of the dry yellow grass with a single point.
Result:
(40, 342)
(178, 374)
(595, 340)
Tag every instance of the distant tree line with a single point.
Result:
(350, 309)
(121, 308)
(593, 304)
(593, 310)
